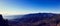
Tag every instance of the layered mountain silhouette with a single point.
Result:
(3, 22)
(37, 19)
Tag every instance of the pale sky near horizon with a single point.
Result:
(13, 7)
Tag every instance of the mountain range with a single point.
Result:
(36, 19)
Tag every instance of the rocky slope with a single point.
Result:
(37, 19)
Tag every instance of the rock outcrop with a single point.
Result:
(3, 22)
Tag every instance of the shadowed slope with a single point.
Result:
(3, 22)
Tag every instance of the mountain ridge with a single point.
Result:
(37, 19)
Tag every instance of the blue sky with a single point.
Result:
(29, 6)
